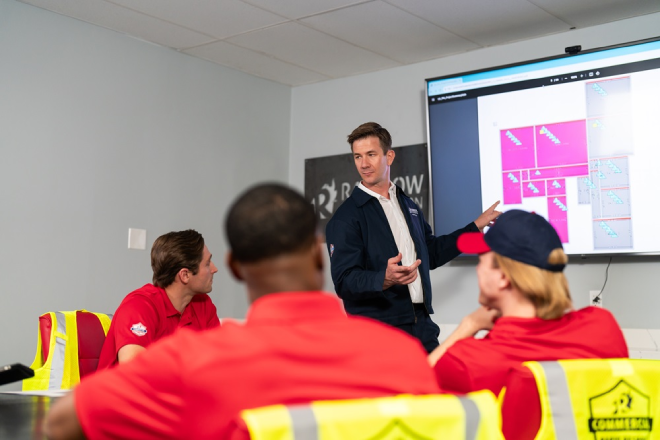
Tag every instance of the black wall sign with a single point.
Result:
(330, 180)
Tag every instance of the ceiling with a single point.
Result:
(297, 42)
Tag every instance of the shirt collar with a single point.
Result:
(391, 190)
(294, 307)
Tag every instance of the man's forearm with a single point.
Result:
(443, 248)
(360, 284)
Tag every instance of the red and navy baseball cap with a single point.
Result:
(520, 235)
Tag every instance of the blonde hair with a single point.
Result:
(547, 290)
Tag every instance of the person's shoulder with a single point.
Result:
(147, 291)
(595, 316)
(593, 321)
(346, 206)
(598, 324)
(346, 212)
(148, 295)
(591, 312)
(352, 202)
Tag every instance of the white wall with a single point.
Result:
(101, 132)
(324, 114)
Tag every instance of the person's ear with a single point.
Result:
(390, 156)
(504, 281)
(318, 251)
(233, 266)
(183, 276)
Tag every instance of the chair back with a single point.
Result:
(591, 399)
(68, 348)
(474, 417)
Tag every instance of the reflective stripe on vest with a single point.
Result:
(560, 401)
(598, 398)
(303, 422)
(60, 370)
(57, 358)
(472, 417)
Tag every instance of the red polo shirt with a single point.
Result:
(147, 314)
(293, 348)
(475, 364)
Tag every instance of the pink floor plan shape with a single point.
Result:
(564, 143)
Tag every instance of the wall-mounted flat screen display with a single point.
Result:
(574, 138)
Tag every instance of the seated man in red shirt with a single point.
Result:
(183, 276)
(296, 345)
(527, 307)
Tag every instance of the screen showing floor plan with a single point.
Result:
(574, 138)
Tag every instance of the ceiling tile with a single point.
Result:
(313, 50)
(389, 31)
(256, 64)
(586, 13)
(217, 18)
(124, 20)
(487, 23)
(298, 42)
(295, 9)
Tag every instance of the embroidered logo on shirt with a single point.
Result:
(413, 211)
(139, 329)
(332, 249)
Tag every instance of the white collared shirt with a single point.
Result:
(401, 235)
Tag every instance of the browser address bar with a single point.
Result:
(486, 82)
(558, 70)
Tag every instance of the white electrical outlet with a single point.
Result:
(596, 298)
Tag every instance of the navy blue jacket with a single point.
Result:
(360, 242)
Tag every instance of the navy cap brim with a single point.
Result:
(472, 243)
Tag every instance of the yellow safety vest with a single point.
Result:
(598, 399)
(475, 416)
(60, 370)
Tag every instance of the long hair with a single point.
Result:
(548, 291)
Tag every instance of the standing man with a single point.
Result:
(381, 248)
(183, 276)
